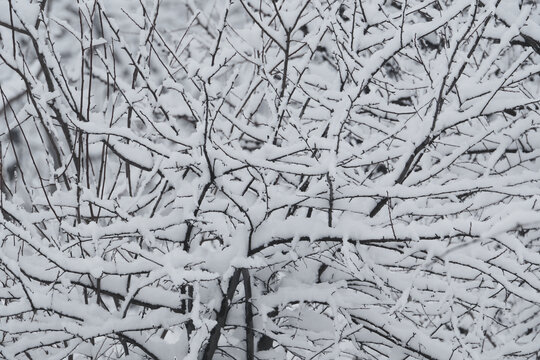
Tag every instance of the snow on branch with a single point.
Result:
(269, 179)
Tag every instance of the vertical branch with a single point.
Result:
(353, 24)
(330, 198)
(215, 333)
(250, 349)
(404, 7)
(285, 62)
(220, 34)
(12, 28)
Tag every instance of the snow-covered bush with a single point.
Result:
(269, 179)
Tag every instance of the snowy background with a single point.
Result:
(269, 179)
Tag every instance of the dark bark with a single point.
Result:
(250, 350)
(215, 334)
